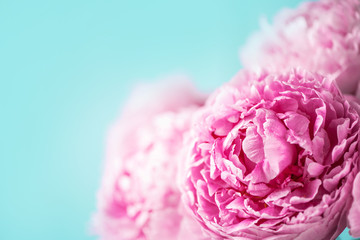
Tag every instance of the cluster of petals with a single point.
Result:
(321, 36)
(139, 198)
(273, 156)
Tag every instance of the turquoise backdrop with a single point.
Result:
(66, 67)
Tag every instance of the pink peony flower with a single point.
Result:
(354, 213)
(139, 198)
(321, 36)
(273, 157)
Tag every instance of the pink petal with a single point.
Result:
(354, 213)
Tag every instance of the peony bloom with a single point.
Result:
(139, 198)
(273, 157)
(321, 36)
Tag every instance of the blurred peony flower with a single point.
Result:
(321, 36)
(273, 157)
(139, 198)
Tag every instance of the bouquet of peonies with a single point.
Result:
(272, 154)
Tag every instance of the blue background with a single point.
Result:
(66, 67)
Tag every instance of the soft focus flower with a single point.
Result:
(321, 36)
(354, 213)
(139, 198)
(273, 157)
